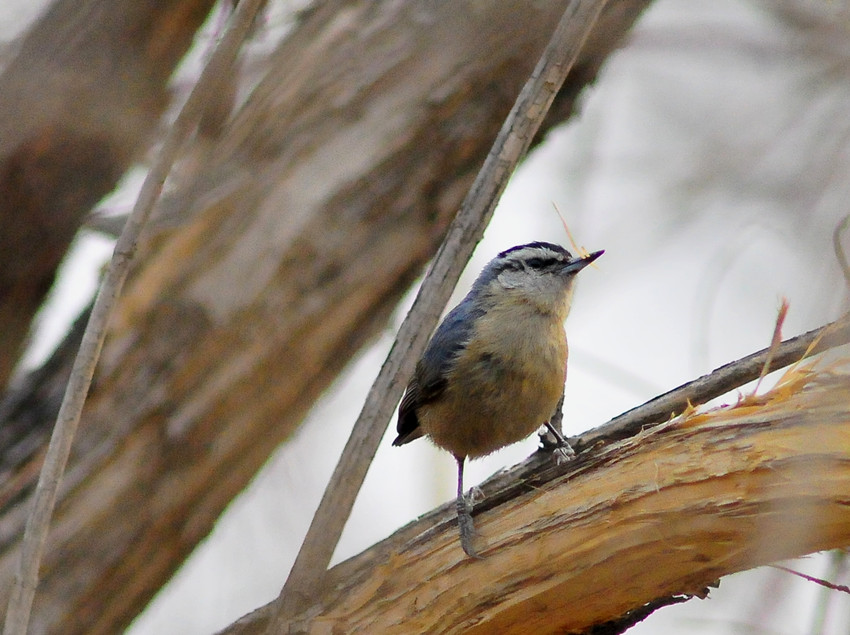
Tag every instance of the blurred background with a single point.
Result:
(710, 160)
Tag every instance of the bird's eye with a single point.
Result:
(535, 263)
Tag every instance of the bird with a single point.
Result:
(494, 370)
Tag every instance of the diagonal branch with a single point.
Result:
(464, 233)
(70, 125)
(719, 382)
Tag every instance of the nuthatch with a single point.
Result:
(494, 371)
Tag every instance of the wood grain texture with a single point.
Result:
(271, 265)
(666, 512)
(78, 104)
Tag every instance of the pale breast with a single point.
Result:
(506, 384)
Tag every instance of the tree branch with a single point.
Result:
(660, 514)
(78, 103)
(463, 234)
(718, 382)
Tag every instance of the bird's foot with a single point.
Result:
(466, 527)
(563, 451)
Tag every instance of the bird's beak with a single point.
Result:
(578, 264)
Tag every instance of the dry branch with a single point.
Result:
(719, 382)
(663, 513)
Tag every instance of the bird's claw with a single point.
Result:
(466, 527)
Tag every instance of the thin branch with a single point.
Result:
(44, 499)
(539, 468)
(775, 341)
(464, 233)
(718, 382)
(824, 583)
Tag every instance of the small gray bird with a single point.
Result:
(494, 371)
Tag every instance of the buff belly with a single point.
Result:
(501, 399)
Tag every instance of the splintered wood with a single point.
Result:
(666, 512)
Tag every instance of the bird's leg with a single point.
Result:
(561, 446)
(563, 450)
(464, 514)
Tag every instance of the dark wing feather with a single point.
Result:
(408, 423)
(429, 380)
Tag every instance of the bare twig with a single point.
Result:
(824, 583)
(775, 341)
(44, 499)
(718, 382)
(464, 233)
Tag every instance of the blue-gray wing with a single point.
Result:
(429, 379)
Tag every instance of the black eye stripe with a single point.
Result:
(535, 263)
(543, 263)
(537, 257)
